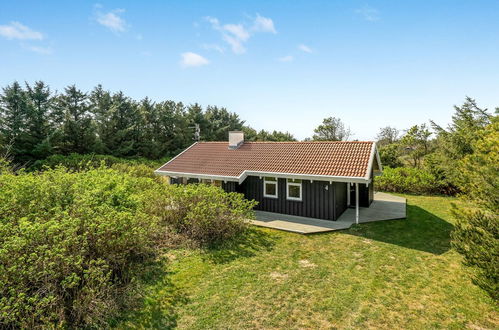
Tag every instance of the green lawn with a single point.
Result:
(392, 274)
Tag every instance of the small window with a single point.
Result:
(270, 187)
(293, 189)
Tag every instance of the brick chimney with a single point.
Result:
(236, 139)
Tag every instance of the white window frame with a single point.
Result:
(288, 183)
(265, 186)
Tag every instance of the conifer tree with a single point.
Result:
(38, 127)
(77, 127)
(13, 112)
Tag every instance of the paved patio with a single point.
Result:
(384, 207)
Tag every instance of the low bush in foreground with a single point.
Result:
(411, 180)
(70, 243)
(203, 213)
(73, 243)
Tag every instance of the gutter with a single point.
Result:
(239, 179)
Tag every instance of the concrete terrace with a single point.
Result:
(384, 207)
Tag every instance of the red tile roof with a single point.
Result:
(348, 159)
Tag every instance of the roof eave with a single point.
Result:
(240, 179)
(374, 153)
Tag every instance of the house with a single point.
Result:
(317, 179)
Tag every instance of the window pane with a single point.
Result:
(270, 179)
(294, 191)
(270, 189)
(294, 180)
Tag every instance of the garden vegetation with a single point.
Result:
(74, 243)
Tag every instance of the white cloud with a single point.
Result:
(214, 47)
(235, 44)
(214, 21)
(236, 35)
(112, 20)
(263, 24)
(16, 30)
(287, 58)
(190, 59)
(305, 48)
(39, 50)
(237, 30)
(368, 13)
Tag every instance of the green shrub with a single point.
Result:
(476, 234)
(203, 213)
(4, 166)
(410, 180)
(70, 244)
(79, 162)
(136, 170)
(476, 237)
(73, 243)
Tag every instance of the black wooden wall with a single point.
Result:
(366, 194)
(318, 198)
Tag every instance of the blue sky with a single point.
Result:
(282, 65)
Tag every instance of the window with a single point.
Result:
(293, 189)
(270, 187)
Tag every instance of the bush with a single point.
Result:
(476, 235)
(73, 243)
(410, 180)
(70, 244)
(203, 213)
(79, 162)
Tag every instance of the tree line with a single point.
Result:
(36, 122)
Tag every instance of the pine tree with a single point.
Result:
(13, 112)
(220, 122)
(77, 127)
(121, 133)
(100, 107)
(149, 134)
(37, 120)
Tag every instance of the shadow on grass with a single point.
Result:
(247, 245)
(158, 308)
(421, 231)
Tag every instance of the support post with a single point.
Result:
(348, 194)
(357, 203)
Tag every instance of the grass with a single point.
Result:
(391, 274)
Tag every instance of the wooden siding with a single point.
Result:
(229, 186)
(318, 198)
(341, 197)
(366, 195)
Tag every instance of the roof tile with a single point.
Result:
(309, 158)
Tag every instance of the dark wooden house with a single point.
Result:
(317, 179)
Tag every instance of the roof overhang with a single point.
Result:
(239, 179)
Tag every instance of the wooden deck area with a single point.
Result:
(384, 207)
